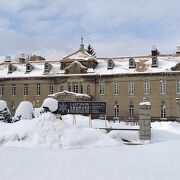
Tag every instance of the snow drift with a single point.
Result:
(49, 132)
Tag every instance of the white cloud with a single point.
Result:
(54, 27)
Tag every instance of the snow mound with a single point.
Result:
(24, 110)
(51, 104)
(47, 131)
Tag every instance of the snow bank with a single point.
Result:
(47, 131)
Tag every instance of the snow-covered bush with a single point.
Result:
(5, 114)
(24, 111)
(50, 104)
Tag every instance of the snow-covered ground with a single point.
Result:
(46, 148)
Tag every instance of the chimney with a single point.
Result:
(178, 50)
(8, 59)
(21, 58)
(154, 51)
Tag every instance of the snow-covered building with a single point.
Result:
(121, 82)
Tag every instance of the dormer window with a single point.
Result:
(29, 67)
(154, 62)
(110, 64)
(132, 63)
(11, 68)
(47, 67)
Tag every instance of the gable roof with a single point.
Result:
(79, 56)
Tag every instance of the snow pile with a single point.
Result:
(47, 131)
(24, 111)
(51, 104)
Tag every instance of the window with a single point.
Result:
(88, 89)
(110, 64)
(28, 67)
(75, 88)
(162, 87)
(163, 111)
(81, 89)
(131, 110)
(38, 89)
(146, 87)
(61, 88)
(178, 87)
(130, 87)
(69, 87)
(51, 89)
(132, 63)
(2, 90)
(13, 90)
(101, 88)
(46, 66)
(10, 68)
(154, 62)
(116, 111)
(116, 88)
(25, 89)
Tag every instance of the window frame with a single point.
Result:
(13, 90)
(131, 88)
(147, 87)
(1, 89)
(38, 89)
(116, 88)
(101, 88)
(26, 90)
(51, 89)
(162, 86)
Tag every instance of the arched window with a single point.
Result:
(61, 88)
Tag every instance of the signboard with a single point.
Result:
(98, 107)
(63, 108)
(81, 108)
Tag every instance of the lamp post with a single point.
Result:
(177, 102)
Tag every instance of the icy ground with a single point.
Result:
(46, 148)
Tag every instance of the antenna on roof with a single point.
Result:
(81, 45)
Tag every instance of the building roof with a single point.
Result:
(143, 65)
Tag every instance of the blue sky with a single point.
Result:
(53, 28)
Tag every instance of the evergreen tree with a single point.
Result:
(91, 51)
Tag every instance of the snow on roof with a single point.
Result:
(79, 55)
(70, 93)
(143, 65)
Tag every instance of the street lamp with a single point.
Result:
(177, 100)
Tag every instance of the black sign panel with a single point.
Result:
(98, 107)
(81, 108)
(63, 108)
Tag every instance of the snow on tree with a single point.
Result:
(50, 104)
(5, 114)
(24, 111)
(91, 51)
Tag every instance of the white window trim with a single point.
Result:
(178, 87)
(51, 89)
(38, 89)
(2, 90)
(101, 88)
(26, 90)
(147, 87)
(116, 87)
(131, 88)
(162, 86)
(13, 90)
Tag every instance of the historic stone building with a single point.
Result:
(121, 82)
